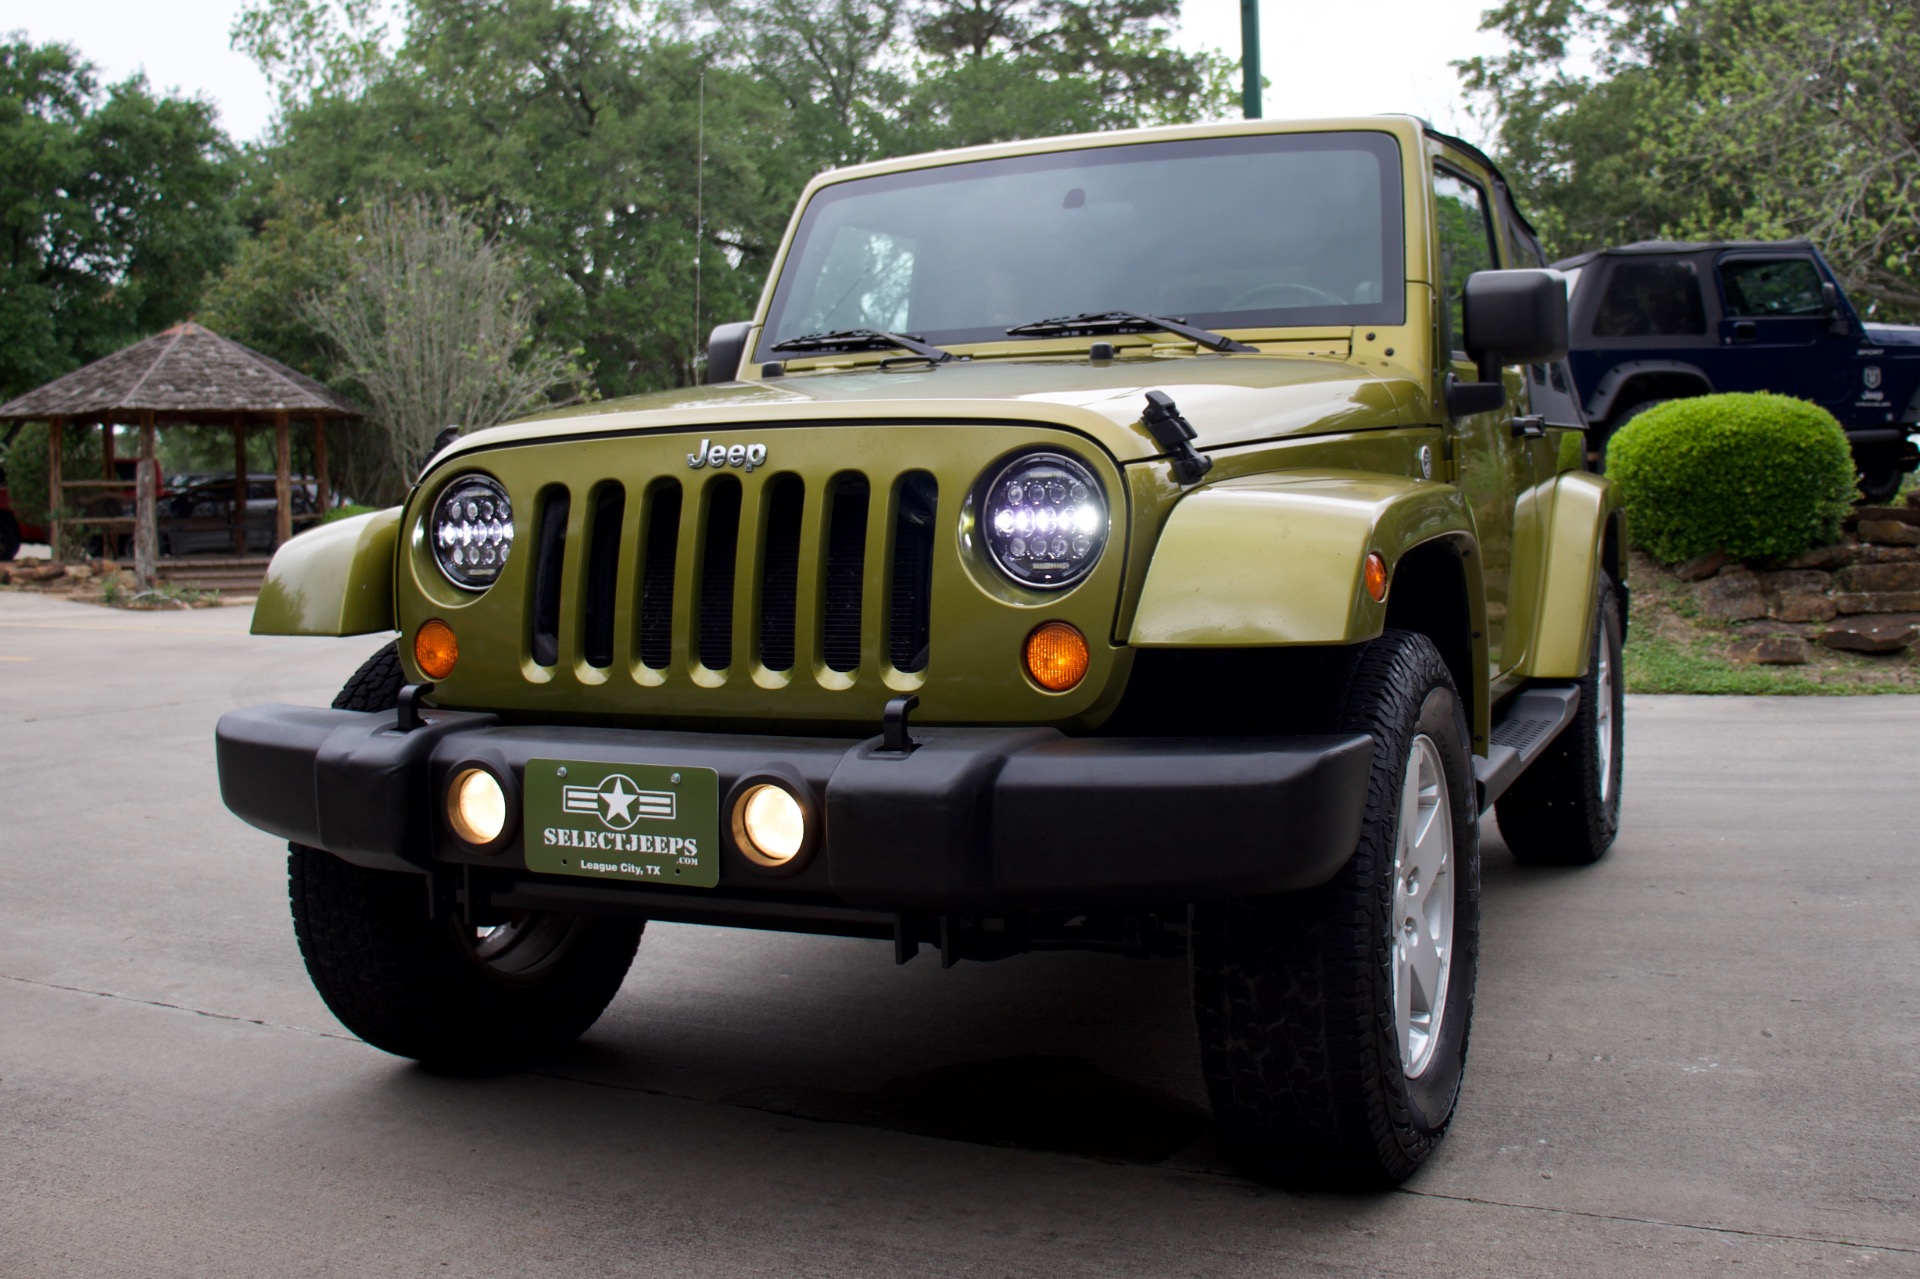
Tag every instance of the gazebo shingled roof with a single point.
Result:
(183, 371)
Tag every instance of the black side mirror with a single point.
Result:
(1512, 317)
(725, 346)
(1830, 298)
(1515, 317)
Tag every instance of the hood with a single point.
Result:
(1893, 334)
(1230, 400)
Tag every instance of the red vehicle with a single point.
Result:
(13, 530)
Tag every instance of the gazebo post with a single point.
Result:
(56, 498)
(240, 484)
(324, 499)
(109, 542)
(282, 482)
(146, 536)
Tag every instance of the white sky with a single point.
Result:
(1321, 59)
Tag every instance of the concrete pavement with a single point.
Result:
(1701, 1056)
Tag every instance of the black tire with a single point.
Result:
(453, 997)
(1877, 488)
(1613, 428)
(1565, 809)
(9, 537)
(376, 685)
(1294, 995)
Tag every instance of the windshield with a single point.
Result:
(1242, 232)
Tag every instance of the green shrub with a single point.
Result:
(1758, 476)
(347, 512)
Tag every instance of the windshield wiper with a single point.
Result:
(863, 340)
(1124, 321)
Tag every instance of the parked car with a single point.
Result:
(1660, 321)
(13, 530)
(965, 611)
(199, 518)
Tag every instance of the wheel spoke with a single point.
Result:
(1422, 920)
(1423, 961)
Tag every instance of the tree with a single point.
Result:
(864, 79)
(571, 132)
(1116, 56)
(433, 325)
(1716, 119)
(117, 208)
(300, 250)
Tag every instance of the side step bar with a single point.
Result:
(1525, 729)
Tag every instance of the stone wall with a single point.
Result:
(1861, 594)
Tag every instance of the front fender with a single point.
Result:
(1280, 559)
(1576, 537)
(336, 579)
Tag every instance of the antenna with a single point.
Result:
(699, 212)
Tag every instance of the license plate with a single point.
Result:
(648, 823)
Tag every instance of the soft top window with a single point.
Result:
(1651, 299)
(1772, 287)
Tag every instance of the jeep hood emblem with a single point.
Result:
(748, 456)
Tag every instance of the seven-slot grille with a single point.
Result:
(801, 557)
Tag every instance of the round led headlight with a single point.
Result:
(1044, 520)
(472, 531)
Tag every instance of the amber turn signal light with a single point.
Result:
(435, 649)
(1057, 656)
(1376, 576)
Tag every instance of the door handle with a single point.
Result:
(1531, 427)
(1745, 331)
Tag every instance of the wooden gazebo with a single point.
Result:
(189, 375)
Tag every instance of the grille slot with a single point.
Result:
(657, 559)
(718, 552)
(780, 572)
(910, 589)
(845, 572)
(603, 573)
(549, 554)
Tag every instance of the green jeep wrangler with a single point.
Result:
(1160, 542)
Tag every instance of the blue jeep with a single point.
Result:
(1659, 321)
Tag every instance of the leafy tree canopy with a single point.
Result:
(117, 206)
(570, 130)
(1631, 119)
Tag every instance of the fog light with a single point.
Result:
(1057, 656)
(476, 806)
(769, 825)
(435, 649)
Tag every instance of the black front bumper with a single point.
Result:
(983, 821)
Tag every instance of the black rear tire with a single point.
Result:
(451, 995)
(1877, 488)
(1565, 809)
(9, 537)
(1295, 995)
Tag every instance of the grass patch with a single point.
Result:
(114, 594)
(1672, 649)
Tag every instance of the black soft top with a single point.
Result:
(1676, 248)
